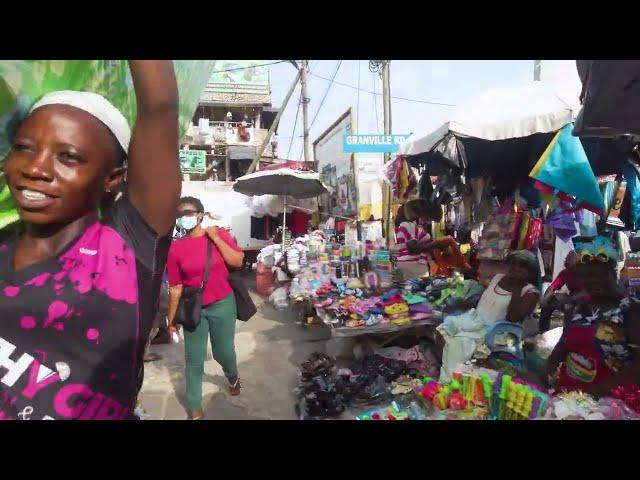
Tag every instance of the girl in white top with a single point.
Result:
(509, 297)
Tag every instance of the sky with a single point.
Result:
(442, 81)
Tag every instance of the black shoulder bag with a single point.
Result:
(190, 304)
(244, 305)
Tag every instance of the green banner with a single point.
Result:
(235, 75)
(193, 161)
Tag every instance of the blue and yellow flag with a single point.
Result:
(564, 167)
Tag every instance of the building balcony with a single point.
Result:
(226, 134)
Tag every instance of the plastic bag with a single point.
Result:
(616, 409)
(23, 82)
(279, 298)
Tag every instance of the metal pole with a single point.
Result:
(305, 108)
(284, 223)
(386, 100)
(274, 126)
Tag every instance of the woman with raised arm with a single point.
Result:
(79, 285)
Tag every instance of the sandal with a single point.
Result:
(234, 388)
(196, 415)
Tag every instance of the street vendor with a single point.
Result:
(597, 352)
(553, 298)
(413, 243)
(509, 297)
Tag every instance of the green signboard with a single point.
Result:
(193, 161)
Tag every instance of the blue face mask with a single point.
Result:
(188, 222)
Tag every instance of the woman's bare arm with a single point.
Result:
(153, 175)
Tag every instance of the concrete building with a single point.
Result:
(232, 119)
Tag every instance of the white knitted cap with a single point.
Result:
(96, 105)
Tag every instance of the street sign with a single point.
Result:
(372, 143)
(193, 161)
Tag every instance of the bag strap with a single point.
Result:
(207, 269)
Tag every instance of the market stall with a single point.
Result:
(509, 175)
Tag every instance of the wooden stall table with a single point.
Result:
(389, 331)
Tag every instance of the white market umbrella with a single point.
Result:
(283, 181)
(499, 114)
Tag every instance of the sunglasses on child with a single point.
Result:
(587, 258)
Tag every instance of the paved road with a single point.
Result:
(270, 347)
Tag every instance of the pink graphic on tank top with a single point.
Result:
(39, 280)
(11, 291)
(28, 323)
(101, 260)
(56, 311)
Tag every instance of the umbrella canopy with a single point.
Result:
(283, 181)
(499, 114)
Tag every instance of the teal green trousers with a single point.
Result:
(217, 323)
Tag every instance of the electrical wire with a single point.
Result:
(326, 93)
(250, 66)
(295, 125)
(392, 96)
(333, 77)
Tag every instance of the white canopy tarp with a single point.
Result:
(499, 114)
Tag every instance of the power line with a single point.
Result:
(250, 66)
(295, 125)
(326, 93)
(392, 96)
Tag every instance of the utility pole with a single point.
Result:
(304, 70)
(386, 99)
(274, 125)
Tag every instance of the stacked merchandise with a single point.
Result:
(630, 273)
(383, 268)
(326, 389)
(479, 393)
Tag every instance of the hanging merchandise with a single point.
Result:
(498, 235)
(630, 171)
(402, 179)
(330, 226)
(618, 199)
(587, 223)
(563, 223)
(425, 187)
(523, 230)
(299, 222)
(607, 185)
(564, 168)
(533, 234)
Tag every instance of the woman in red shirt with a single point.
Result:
(186, 266)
